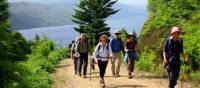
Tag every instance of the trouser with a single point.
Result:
(173, 74)
(102, 67)
(116, 57)
(130, 67)
(83, 60)
(75, 65)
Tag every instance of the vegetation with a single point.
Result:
(90, 17)
(25, 64)
(163, 14)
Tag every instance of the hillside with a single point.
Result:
(25, 15)
(162, 15)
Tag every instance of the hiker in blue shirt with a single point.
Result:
(173, 48)
(116, 46)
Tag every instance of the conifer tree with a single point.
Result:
(90, 17)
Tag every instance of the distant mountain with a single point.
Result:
(39, 13)
(25, 15)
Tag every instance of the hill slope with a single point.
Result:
(163, 14)
(25, 15)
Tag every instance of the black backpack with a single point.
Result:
(169, 42)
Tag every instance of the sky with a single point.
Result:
(135, 3)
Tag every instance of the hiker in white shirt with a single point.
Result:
(101, 55)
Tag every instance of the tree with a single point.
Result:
(90, 17)
(13, 46)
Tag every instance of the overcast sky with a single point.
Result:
(135, 3)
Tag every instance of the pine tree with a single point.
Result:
(90, 17)
(13, 46)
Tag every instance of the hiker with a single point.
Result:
(74, 55)
(116, 46)
(131, 51)
(101, 55)
(83, 48)
(172, 50)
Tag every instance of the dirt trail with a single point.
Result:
(64, 78)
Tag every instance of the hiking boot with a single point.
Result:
(79, 74)
(113, 74)
(102, 82)
(103, 85)
(130, 77)
(84, 76)
(117, 75)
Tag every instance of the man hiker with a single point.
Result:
(130, 49)
(172, 50)
(116, 47)
(101, 55)
(83, 48)
(74, 55)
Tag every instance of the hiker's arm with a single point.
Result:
(110, 51)
(165, 49)
(71, 52)
(89, 49)
(125, 47)
(185, 57)
(165, 58)
(95, 52)
(111, 43)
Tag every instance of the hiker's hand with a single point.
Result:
(186, 62)
(165, 62)
(72, 58)
(126, 50)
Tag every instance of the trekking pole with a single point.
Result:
(90, 68)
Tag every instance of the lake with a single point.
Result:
(65, 34)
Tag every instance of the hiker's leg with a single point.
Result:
(104, 65)
(85, 64)
(173, 74)
(100, 68)
(118, 63)
(132, 65)
(76, 64)
(80, 60)
(176, 73)
(130, 68)
(113, 63)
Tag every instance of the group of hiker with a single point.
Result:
(107, 50)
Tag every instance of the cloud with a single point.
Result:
(134, 3)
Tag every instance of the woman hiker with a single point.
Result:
(131, 51)
(101, 55)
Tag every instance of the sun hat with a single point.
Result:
(117, 32)
(175, 29)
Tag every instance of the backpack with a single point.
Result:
(169, 42)
(99, 47)
(78, 43)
